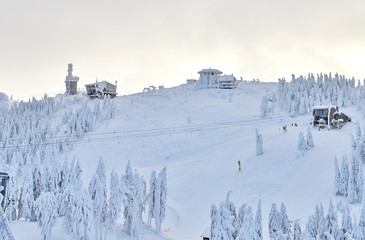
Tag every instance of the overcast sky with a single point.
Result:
(163, 42)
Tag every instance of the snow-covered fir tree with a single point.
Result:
(46, 213)
(259, 148)
(361, 227)
(152, 198)
(274, 221)
(239, 220)
(131, 203)
(285, 222)
(13, 194)
(82, 212)
(297, 231)
(346, 226)
(100, 172)
(27, 198)
(247, 231)
(310, 141)
(213, 220)
(320, 220)
(96, 194)
(115, 201)
(337, 180)
(331, 221)
(302, 145)
(264, 107)
(298, 96)
(160, 200)
(344, 176)
(311, 228)
(258, 222)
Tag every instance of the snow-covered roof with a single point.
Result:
(226, 78)
(210, 70)
(325, 107)
(101, 83)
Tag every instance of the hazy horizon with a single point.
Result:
(143, 43)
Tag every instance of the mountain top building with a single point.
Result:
(71, 81)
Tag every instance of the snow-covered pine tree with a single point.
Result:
(13, 194)
(141, 194)
(83, 215)
(258, 222)
(247, 231)
(274, 222)
(65, 175)
(302, 145)
(344, 176)
(218, 230)
(346, 226)
(310, 141)
(355, 229)
(230, 205)
(239, 220)
(163, 196)
(68, 202)
(27, 197)
(311, 228)
(361, 227)
(285, 223)
(36, 177)
(259, 148)
(320, 220)
(45, 180)
(226, 222)
(96, 194)
(352, 195)
(331, 221)
(77, 176)
(152, 197)
(156, 211)
(131, 205)
(264, 107)
(213, 220)
(360, 183)
(358, 131)
(115, 206)
(100, 172)
(297, 231)
(337, 180)
(46, 213)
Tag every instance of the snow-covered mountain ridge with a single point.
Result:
(200, 135)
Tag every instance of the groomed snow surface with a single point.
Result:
(200, 135)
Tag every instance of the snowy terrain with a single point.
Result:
(200, 135)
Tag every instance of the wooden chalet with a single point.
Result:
(329, 117)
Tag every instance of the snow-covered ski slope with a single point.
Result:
(200, 135)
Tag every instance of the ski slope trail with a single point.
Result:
(200, 135)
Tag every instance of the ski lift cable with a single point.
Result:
(152, 130)
(136, 134)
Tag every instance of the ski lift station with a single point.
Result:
(329, 117)
(101, 89)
